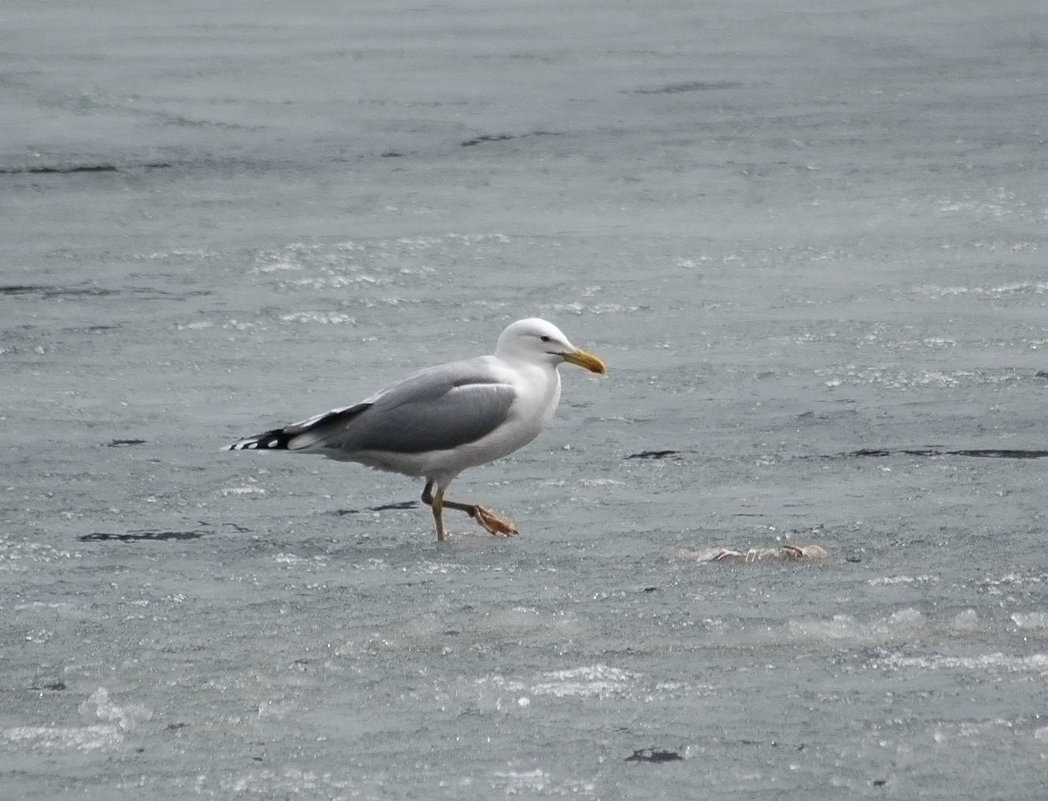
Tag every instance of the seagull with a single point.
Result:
(440, 420)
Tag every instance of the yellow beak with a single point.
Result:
(586, 360)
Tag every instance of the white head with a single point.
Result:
(538, 341)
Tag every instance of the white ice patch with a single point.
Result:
(286, 782)
(601, 482)
(980, 663)
(947, 732)
(428, 568)
(590, 308)
(892, 378)
(289, 559)
(238, 325)
(318, 318)
(996, 205)
(532, 781)
(243, 491)
(902, 625)
(124, 717)
(594, 681)
(65, 738)
(277, 267)
(591, 681)
(966, 621)
(116, 722)
(58, 606)
(995, 291)
(598, 681)
(1031, 620)
(538, 781)
(18, 556)
(888, 581)
(178, 255)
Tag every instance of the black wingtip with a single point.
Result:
(275, 440)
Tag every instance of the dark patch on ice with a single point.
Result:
(773, 744)
(125, 443)
(979, 453)
(53, 686)
(87, 291)
(74, 169)
(653, 454)
(54, 291)
(485, 138)
(392, 154)
(993, 453)
(878, 452)
(688, 86)
(653, 755)
(236, 527)
(651, 589)
(138, 536)
(59, 169)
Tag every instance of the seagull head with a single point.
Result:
(541, 342)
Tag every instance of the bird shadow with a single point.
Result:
(399, 506)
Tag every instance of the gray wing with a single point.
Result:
(435, 409)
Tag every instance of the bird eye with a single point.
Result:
(545, 338)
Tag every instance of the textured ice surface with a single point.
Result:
(809, 240)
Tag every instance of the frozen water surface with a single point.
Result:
(809, 240)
